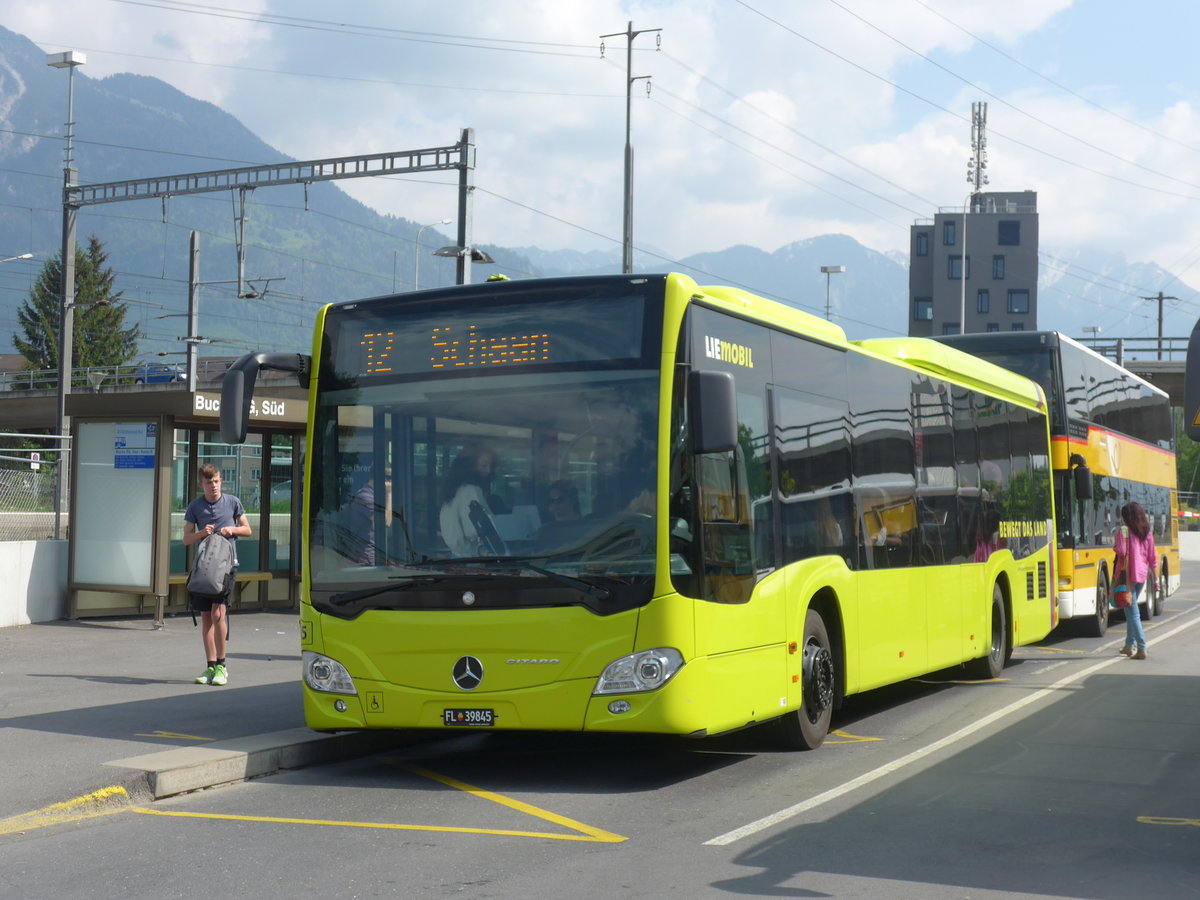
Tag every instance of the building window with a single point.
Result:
(922, 243)
(1010, 234)
(998, 266)
(948, 232)
(922, 309)
(993, 326)
(954, 267)
(983, 301)
(1018, 326)
(950, 328)
(1018, 302)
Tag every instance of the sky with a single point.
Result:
(766, 122)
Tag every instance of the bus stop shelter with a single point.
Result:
(135, 455)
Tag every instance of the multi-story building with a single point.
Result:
(996, 286)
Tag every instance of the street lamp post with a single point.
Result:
(417, 254)
(466, 257)
(22, 256)
(830, 270)
(69, 60)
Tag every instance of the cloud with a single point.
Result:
(767, 122)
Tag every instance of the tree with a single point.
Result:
(1187, 462)
(101, 338)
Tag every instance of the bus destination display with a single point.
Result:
(571, 331)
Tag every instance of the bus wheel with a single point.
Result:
(1097, 625)
(1146, 607)
(806, 728)
(992, 663)
(1160, 590)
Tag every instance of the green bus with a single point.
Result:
(635, 504)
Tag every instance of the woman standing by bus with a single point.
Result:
(1136, 558)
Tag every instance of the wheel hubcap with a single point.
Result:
(818, 678)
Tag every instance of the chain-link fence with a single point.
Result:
(27, 489)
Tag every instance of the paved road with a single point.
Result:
(1076, 775)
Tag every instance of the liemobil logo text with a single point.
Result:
(736, 354)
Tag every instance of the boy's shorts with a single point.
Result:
(205, 602)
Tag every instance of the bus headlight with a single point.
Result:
(327, 675)
(645, 671)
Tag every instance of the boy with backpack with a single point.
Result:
(219, 517)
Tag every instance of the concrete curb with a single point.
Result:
(170, 772)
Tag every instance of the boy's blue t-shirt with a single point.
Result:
(224, 513)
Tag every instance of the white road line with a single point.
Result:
(917, 755)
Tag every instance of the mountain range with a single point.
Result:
(309, 246)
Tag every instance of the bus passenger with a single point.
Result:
(361, 513)
(562, 502)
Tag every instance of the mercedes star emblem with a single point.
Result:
(468, 673)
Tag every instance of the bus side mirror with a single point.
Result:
(1083, 478)
(1191, 386)
(237, 388)
(712, 407)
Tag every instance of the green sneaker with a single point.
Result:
(220, 676)
(206, 676)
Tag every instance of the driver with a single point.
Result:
(465, 519)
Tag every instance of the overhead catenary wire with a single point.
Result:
(710, 131)
(1057, 85)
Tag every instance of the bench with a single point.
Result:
(239, 581)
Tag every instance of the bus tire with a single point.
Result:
(1097, 625)
(805, 729)
(1160, 590)
(991, 664)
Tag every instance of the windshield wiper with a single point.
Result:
(514, 562)
(347, 597)
(592, 590)
(429, 563)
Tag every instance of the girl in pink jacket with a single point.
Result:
(1137, 558)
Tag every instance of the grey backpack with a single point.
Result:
(213, 567)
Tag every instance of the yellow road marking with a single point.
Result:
(175, 736)
(386, 826)
(850, 738)
(111, 800)
(595, 834)
(104, 802)
(582, 832)
(1165, 820)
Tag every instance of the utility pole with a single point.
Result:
(193, 312)
(1160, 298)
(627, 231)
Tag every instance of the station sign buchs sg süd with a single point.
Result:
(263, 410)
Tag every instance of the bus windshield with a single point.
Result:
(539, 465)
